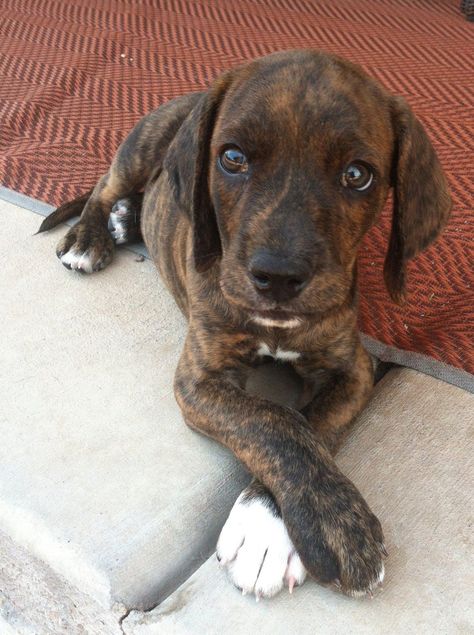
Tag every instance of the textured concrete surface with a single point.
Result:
(108, 502)
(411, 455)
(34, 600)
(6, 629)
(99, 477)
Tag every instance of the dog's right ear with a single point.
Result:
(189, 170)
(421, 198)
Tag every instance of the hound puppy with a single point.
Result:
(256, 196)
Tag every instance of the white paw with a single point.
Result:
(117, 229)
(81, 261)
(255, 548)
(118, 220)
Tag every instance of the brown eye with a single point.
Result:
(357, 176)
(234, 161)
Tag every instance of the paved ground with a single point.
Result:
(109, 503)
(99, 476)
(412, 457)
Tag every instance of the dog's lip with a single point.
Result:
(277, 319)
(278, 315)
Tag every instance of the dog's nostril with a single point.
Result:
(295, 282)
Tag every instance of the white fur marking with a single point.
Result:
(118, 232)
(287, 356)
(257, 551)
(283, 324)
(264, 351)
(77, 260)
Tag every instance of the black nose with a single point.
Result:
(276, 276)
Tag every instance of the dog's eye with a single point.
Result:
(234, 161)
(357, 176)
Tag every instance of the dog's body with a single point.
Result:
(257, 194)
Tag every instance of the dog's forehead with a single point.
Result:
(301, 94)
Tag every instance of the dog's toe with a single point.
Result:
(256, 550)
(85, 248)
(80, 261)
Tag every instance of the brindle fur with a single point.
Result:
(300, 117)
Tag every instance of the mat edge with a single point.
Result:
(420, 362)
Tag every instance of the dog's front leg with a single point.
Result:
(333, 530)
(335, 406)
(255, 519)
(88, 245)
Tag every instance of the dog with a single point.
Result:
(252, 199)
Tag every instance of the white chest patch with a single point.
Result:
(285, 356)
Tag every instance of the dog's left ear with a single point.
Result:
(421, 198)
(188, 164)
(206, 241)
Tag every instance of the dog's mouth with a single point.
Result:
(273, 316)
(276, 318)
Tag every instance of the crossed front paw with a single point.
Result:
(255, 549)
(327, 530)
(86, 248)
(339, 539)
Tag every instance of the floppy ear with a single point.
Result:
(421, 199)
(189, 169)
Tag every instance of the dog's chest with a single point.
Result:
(277, 353)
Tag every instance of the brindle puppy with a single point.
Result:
(257, 194)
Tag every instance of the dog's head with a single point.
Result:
(285, 164)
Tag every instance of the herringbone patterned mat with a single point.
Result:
(75, 75)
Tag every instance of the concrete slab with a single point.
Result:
(411, 454)
(35, 600)
(99, 477)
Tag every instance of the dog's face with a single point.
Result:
(300, 165)
(297, 153)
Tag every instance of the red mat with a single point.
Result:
(76, 75)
